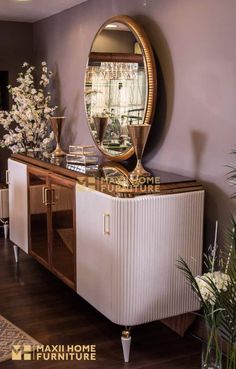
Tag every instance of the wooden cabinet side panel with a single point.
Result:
(4, 205)
(18, 204)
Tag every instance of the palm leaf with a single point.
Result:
(183, 266)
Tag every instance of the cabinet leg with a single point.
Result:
(16, 253)
(5, 227)
(126, 343)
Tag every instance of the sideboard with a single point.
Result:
(118, 253)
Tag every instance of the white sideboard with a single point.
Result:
(125, 249)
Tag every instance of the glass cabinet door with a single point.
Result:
(38, 221)
(63, 228)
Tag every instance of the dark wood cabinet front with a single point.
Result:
(52, 223)
(63, 228)
(38, 215)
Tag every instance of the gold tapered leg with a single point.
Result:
(126, 343)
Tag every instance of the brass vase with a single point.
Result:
(139, 134)
(101, 125)
(56, 124)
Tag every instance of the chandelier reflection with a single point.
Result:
(115, 71)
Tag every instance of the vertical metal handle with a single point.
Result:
(53, 197)
(106, 224)
(7, 176)
(43, 194)
(47, 196)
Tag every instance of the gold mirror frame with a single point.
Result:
(150, 68)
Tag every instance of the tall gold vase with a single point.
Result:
(56, 124)
(101, 125)
(139, 134)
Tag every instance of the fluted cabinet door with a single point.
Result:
(18, 204)
(151, 233)
(127, 251)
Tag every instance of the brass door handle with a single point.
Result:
(7, 176)
(43, 194)
(49, 196)
(46, 195)
(106, 224)
(53, 197)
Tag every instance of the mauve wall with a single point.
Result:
(195, 45)
(16, 46)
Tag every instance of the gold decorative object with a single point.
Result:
(56, 124)
(101, 125)
(139, 134)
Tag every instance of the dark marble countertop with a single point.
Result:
(97, 170)
(108, 173)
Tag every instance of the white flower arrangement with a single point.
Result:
(218, 279)
(27, 121)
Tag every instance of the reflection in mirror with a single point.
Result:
(115, 174)
(115, 87)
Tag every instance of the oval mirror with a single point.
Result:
(120, 85)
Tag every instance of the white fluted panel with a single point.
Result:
(152, 233)
(18, 204)
(130, 275)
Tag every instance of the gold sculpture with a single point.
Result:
(56, 124)
(139, 134)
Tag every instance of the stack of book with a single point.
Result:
(82, 154)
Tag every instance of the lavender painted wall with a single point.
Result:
(16, 46)
(195, 44)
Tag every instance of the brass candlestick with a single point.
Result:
(101, 125)
(56, 124)
(139, 134)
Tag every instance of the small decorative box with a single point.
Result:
(82, 168)
(82, 159)
(87, 150)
